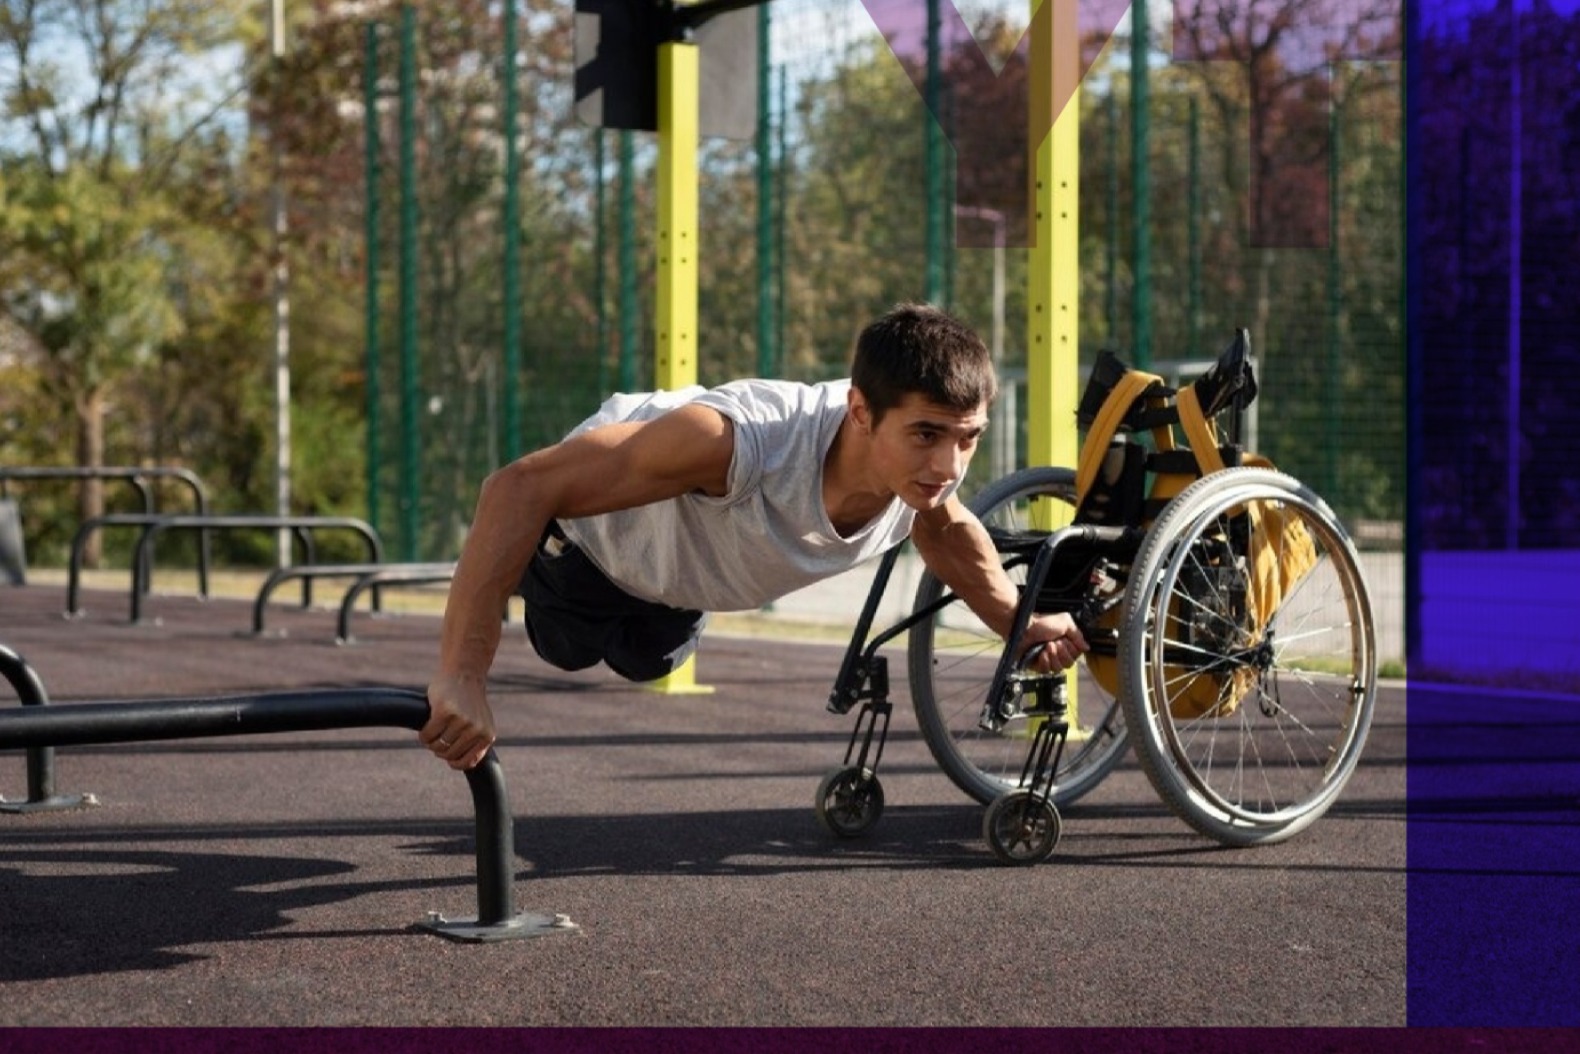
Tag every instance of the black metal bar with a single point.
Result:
(309, 556)
(116, 721)
(152, 525)
(280, 575)
(867, 726)
(1035, 576)
(137, 477)
(690, 16)
(410, 574)
(41, 759)
(303, 711)
(79, 542)
(847, 685)
(143, 559)
(496, 843)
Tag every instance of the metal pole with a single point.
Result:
(1410, 237)
(282, 301)
(1330, 383)
(1111, 236)
(408, 283)
(628, 306)
(675, 316)
(781, 211)
(1514, 440)
(511, 389)
(765, 191)
(1193, 221)
(1053, 287)
(1002, 455)
(41, 796)
(1141, 188)
(370, 109)
(933, 146)
(600, 264)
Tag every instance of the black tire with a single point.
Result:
(1021, 828)
(953, 658)
(849, 801)
(1273, 763)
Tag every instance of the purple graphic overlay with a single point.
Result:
(983, 111)
(1288, 50)
(1493, 129)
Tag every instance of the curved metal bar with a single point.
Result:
(142, 561)
(304, 711)
(1042, 563)
(304, 538)
(423, 572)
(137, 476)
(117, 721)
(40, 760)
(79, 542)
(410, 574)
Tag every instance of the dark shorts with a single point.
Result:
(576, 617)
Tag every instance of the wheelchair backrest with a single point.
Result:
(1123, 481)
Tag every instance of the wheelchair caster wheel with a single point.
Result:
(1021, 827)
(849, 801)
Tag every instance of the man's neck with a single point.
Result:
(849, 495)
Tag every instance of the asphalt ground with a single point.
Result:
(278, 880)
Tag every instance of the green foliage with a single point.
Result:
(95, 292)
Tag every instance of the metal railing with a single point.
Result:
(40, 727)
(137, 476)
(153, 525)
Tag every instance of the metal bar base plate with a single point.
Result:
(525, 925)
(56, 803)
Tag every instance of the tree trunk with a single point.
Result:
(90, 454)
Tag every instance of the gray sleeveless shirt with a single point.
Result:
(769, 535)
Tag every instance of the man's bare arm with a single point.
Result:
(958, 550)
(604, 470)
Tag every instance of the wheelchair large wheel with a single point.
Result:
(953, 657)
(1247, 727)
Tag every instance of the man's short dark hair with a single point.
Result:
(919, 348)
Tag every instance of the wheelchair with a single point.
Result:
(1230, 632)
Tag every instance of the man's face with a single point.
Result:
(920, 450)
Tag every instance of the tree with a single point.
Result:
(101, 103)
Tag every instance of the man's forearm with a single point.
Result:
(492, 561)
(962, 556)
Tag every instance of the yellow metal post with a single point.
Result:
(676, 333)
(1053, 269)
(1054, 259)
(675, 346)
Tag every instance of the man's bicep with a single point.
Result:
(948, 525)
(622, 466)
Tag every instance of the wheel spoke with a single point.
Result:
(1266, 754)
(953, 658)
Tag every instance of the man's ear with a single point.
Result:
(860, 412)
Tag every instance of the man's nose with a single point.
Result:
(948, 460)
